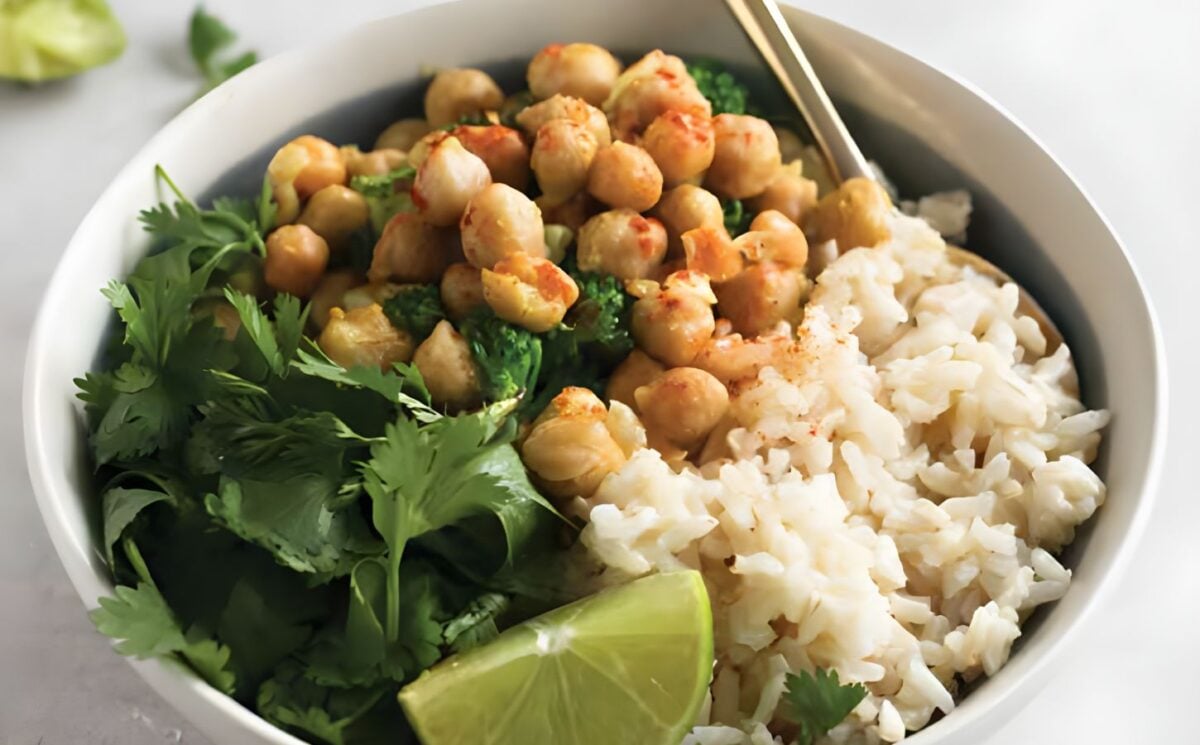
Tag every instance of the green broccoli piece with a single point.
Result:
(593, 338)
(384, 200)
(737, 217)
(416, 309)
(719, 86)
(508, 357)
(599, 321)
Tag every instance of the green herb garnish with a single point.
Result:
(818, 703)
(208, 38)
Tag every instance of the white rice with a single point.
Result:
(897, 489)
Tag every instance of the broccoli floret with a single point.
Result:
(592, 340)
(599, 320)
(508, 357)
(416, 309)
(384, 200)
(719, 86)
(737, 218)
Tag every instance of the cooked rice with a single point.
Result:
(897, 485)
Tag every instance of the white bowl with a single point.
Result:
(927, 129)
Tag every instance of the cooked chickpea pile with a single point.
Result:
(631, 170)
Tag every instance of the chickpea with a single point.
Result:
(789, 193)
(716, 445)
(409, 250)
(447, 180)
(498, 222)
(569, 448)
(791, 147)
(710, 250)
(330, 294)
(621, 243)
(682, 406)
(686, 207)
(582, 70)
(222, 314)
(746, 158)
(682, 143)
(296, 259)
(402, 135)
(624, 175)
(334, 213)
(422, 147)
(572, 213)
(445, 362)
(762, 296)
(369, 294)
(529, 291)
(635, 371)
(857, 214)
(774, 237)
(364, 337)
(562, 154)
(650, 87)
(733, 359)
(501, 148)
(673, 323)
(461, 290)
(534, 117)
(300, 169)
(375, 163)
(456, 93)
(667, 268)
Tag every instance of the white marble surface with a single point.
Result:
(1109, 86)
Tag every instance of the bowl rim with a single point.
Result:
(176, 682)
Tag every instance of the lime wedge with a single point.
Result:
(627, 666)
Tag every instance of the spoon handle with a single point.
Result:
(769, 32)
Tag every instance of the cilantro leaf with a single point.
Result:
(276, 339)
(211, 659)
(120, 507)
(818, 703)
(230, 222)
(208, 37)
(360, 715)
(144, 626)
(260, 628)
(390, 385)
(421, 478)
(292, 520)
(249, 434)
(475, 625)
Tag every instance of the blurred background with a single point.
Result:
(1108, 86)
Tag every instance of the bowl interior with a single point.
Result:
(928, 131)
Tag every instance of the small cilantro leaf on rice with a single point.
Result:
(819, 702)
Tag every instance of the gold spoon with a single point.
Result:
(768, 31)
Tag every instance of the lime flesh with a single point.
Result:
(627, 666)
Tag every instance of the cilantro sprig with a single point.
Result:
(422, 478)
(208, 39)
(819, 702)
